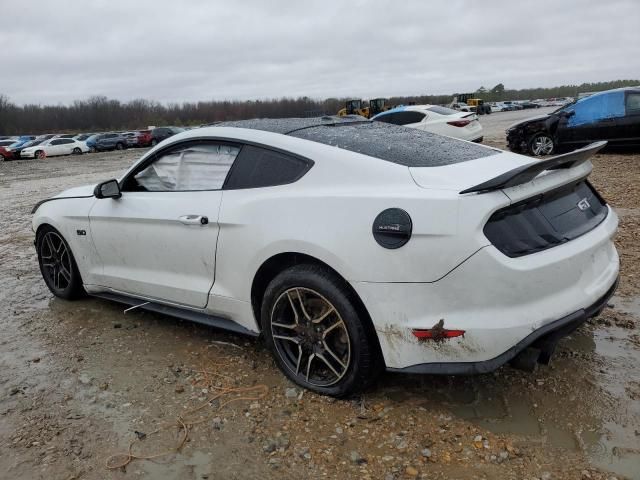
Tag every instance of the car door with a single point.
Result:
(66, 146)
(54, 148)
(628, 126)
(593, 119)
(158, 240)
(110, 140)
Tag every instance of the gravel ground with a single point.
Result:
(79, 381)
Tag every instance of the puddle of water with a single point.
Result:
(562, 406)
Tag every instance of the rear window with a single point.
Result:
(442, 110)
(410, 147)
(405, 146)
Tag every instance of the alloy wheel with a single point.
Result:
(542, 145)
(56, 261)
(310, 337)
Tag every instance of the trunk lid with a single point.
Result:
(518, 177)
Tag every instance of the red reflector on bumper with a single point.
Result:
(437, 333)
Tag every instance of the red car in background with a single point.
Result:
(4, 154)
(144, 138)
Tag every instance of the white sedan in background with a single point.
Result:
(435, 119)
(53, 147)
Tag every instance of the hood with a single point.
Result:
(526, 121)
(84, 191)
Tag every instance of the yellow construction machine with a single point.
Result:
(357, 107)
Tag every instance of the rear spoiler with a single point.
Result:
(526, 173)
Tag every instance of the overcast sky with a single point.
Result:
(173, 51)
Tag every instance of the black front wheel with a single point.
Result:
(119, 146)
(77, 151)
(57, 265)
(313, 329)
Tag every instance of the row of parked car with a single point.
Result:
(508, 106)
(50, 145)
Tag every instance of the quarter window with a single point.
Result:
(192, 167)
(260, 167)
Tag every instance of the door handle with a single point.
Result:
(193, 220)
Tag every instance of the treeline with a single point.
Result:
(102, 114)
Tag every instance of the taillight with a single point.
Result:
(459, 123)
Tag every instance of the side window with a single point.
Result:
(56, 142)
(386, 118)
(260, 167)
(406, 118)
(187, 167)
(596, 108)
(633, 103)
(66, 141)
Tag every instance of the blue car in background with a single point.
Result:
(23, 141)
(613, 115)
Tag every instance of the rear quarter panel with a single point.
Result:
(329, 214)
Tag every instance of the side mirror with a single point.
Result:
(108, 189)
(567, 114)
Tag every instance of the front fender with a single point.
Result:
(70, 217)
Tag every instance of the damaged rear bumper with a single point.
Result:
(539, 345)
(503, 305)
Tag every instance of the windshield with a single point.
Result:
(33, 143)
(567, 107)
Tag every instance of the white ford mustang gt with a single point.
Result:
(351, 246)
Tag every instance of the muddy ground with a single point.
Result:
(78, 380)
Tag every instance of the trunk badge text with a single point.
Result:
(584, 204)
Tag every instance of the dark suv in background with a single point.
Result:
(160, 133)
(107, 141)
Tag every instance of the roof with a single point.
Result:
(404, 146)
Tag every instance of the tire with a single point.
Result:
(119, 146)
(76, 151)
(57, 264)
(41, 154)
(541, 144)
(323, 345)
(154, 142)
